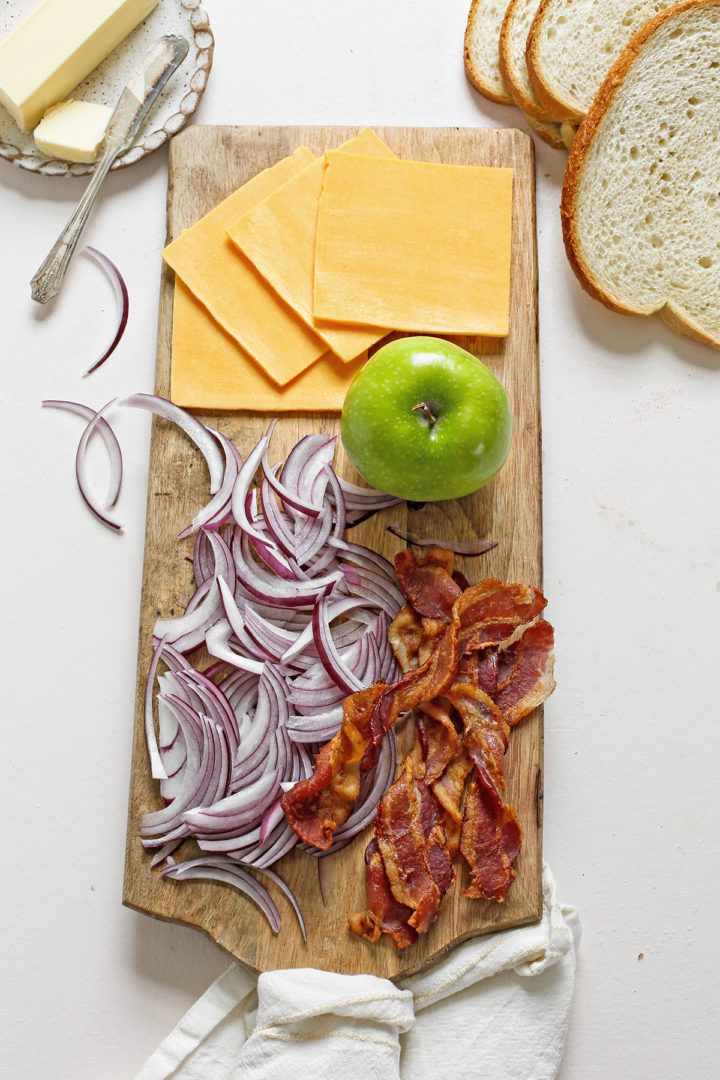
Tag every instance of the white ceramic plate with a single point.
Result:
(174, 107)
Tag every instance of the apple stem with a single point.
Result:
(426, 409)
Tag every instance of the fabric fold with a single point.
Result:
(497, 1006)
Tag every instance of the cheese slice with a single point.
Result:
(232, 289)
(56, 46)
(278, 235)
(414, 245)
(210, 370)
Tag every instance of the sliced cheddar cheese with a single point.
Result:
(211, 371)
(278, 236)
(232, 289)
(413, 245)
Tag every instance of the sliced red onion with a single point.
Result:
(188, 631)
(285, 594)
(236, 810)
(459, 547)
(203, 438)
(108, 436)
(290, 895)
(217, 641)
(242, 485)
(204, 775)
(165, 852)
(306, 459)
(81, 473)
(272, 604)
(157, 769)
(217, 510)
(329, 656)
(121, 296)
(290, 495)
(227, 871)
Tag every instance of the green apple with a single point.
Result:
(426, 420)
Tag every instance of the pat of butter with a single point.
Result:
(73, 130)
(56, 46)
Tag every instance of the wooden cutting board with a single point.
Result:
(206, 164)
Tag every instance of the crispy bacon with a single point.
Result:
(384, 915)
(412, 845)
(489, 842)
(480, 668)
(405, 635)
(448, 794)
(525, 674)
(437, 740)
(490, 612)
(485, 734)
(424, 683)
(490, 837)
(427, 581)
(315, 807)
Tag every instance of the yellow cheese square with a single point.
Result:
(211, 371)
(278, 236)
(413, 245)
(234, 292)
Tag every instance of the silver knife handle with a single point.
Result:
(136, 100)
(46, 282)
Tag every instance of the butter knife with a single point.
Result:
(135, 102)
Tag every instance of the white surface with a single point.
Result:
(631, 445)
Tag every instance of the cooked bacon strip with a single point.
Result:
(490, 612)
(437, 739)
(424, 683)
(412, 845)
(427, 581)
(485, 734)
(384, 915)
(489, 844)
(448, 794)
(480, 668)
(405, 635)
(490, 838)
(525, 675)
(316, 806)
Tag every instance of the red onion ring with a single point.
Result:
(81, 473)
(121, 297)
(459, 547)
(109, 438)
(203, 437)
(227, 871)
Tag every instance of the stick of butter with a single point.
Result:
(73, 130)
(56, 46)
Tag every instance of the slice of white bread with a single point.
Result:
(572, 44)
(482, 64)
(641, 196)
(516, 24)
(482, 58)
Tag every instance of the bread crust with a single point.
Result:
(672, 313)
(549, 132)
(530, 107)
(474, 75)
(561, 109)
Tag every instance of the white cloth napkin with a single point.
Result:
(497, 1007)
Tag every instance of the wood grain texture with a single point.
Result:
(206, 164)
